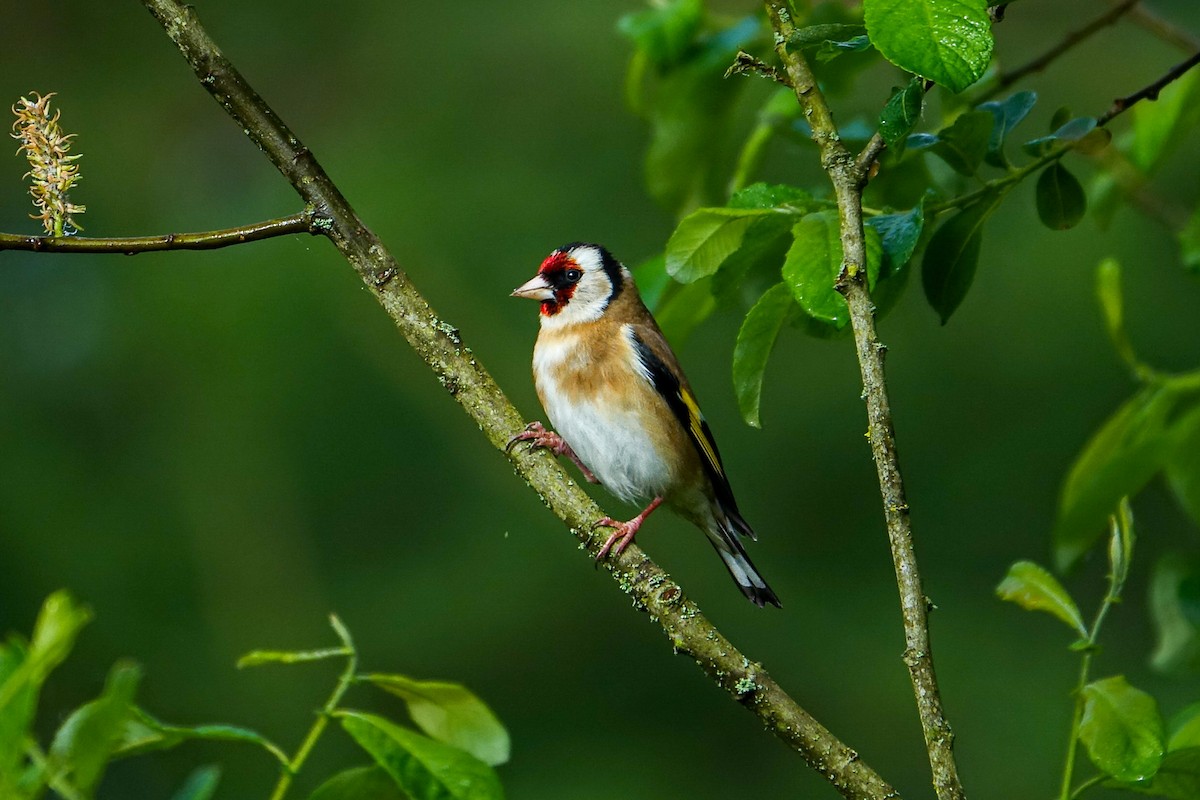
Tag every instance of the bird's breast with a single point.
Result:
(604, 409)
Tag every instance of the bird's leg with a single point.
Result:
(623, 532)
(537, 435)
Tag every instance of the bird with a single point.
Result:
(623, 411)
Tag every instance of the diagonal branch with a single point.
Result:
(1164, 29)
(306, 221)
(1150, 91)
(849, 174)
(1061, 48)
(443, 350)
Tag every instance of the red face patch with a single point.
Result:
(554, 270)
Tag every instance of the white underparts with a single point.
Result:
(608, 435)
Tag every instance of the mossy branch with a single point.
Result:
(464, 377)
(848, 173)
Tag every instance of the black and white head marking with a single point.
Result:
(585, 280)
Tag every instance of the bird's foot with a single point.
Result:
(623, 532)
(536, 434)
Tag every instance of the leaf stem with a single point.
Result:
(1116, 582)
(1095, 780)
(1002, 184)
(346, 679)
(52, 778)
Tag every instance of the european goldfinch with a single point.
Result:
(622, 407)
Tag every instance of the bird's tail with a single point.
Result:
(727, 543)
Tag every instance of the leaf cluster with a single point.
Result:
(451, 754)
(930, 200)
(1119, 725)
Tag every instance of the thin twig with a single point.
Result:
(304, 222)
(1068, 42)
(746, 64)
(465, 378)
(1005, 182)
(1150, 92)
(849, 176)
(1165, 30)
(345, 680)
(869, 155)
(1116, 582)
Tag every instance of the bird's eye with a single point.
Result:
(573, 275)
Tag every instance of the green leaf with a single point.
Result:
(359, 783)
(425, 769)
(450, 713)
(1108, 291)
(58, 623)
(901, 114)
(664, 31)
(16, 716)
(24, 668)
(86, 741)
(947, 41)
(1184, 728)
(1007, 114)
(1121, 729)
(830, 50)
(921, 141)
(814, 261)
(816, 35)
(952, 256)
(965, 143)
(142, 733)
(1068, 133)
(1119, 459)
(755, 340)
(1189, 243)
(1175, 614)
(1161, 126)
(705, 238)
(1061, 116)
(1033, 588)
(1061, 201)
(899, 235)
(690, 116)
(755, 266)
(200, 785)
(772, 196)
(1178, 777)
(259, 657)
(1120, 544)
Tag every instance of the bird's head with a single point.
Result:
(576, 283)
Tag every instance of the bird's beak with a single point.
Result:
(535, 289)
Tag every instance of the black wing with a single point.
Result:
(683, 405)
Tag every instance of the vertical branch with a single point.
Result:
(848, 174)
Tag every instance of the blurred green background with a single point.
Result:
(215, 450)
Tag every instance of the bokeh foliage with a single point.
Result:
(216, 449)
